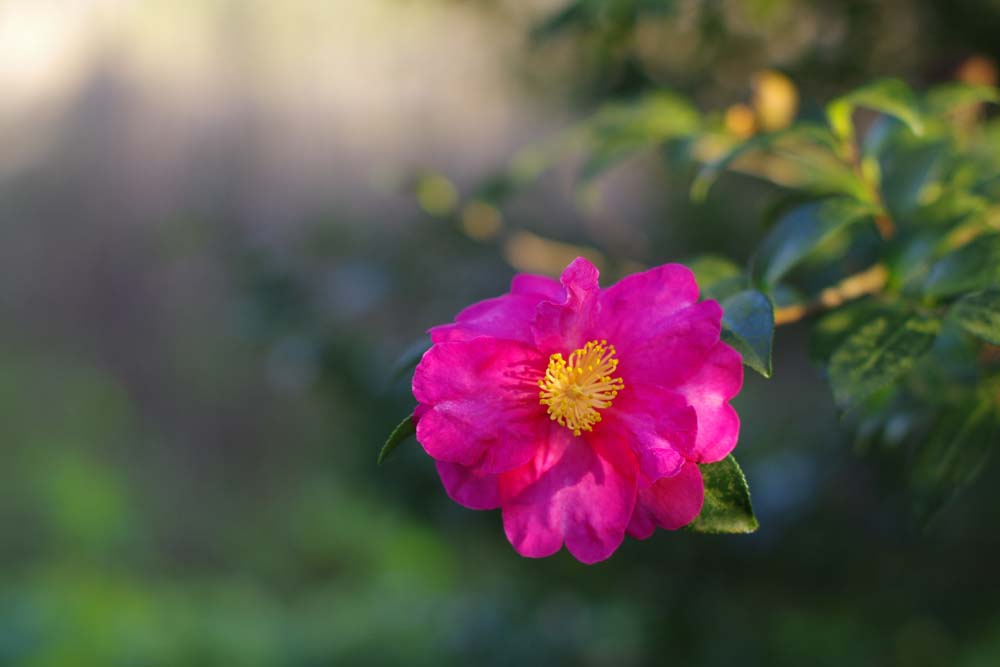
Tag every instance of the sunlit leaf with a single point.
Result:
(882, 350)
(748, 325)
(718, 278)
(979, 314)
(803, 156)
(727, 507)
(710, 269)
(404, 430)
(802, 229)
(889, 96)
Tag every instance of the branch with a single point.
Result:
(869, 281)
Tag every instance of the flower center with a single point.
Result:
(576, 389)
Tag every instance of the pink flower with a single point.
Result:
(580, 412)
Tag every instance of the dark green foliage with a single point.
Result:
(951, 455)
(748, 325)
(879, 351)
(970, 267)
(800, 231)
(979, 314)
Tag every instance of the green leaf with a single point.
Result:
(806, 150)
(405, 429)
(748, 325)
(979, 314)
(908, 165)
(710, 269)
(879, 352)
(974, 266)
(717, 277)
(802, 229)
(727, 507)
(837, 325)
(889, 96)
(949, 97)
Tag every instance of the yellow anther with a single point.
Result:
(575, 389)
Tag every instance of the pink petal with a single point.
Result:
(481, 399)
(640, 304)
(670, 503)
(508, 316)
(708, 391)
(475, 490)
(562, 326)
(542, 286)
(674, 351)
(657, 423)
(567, 494)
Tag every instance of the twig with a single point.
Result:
(869, 281)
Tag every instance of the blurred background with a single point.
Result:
(222, 222)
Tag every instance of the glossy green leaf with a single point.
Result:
(718, 278)
(889, 96)
(836, 326)
(748, 325)
(974, 266)
(404, 430)
(806, 151)
(882, 350)
(727, 507)
(979, 314)
(801, 230)
(710, 269)
(908, 166)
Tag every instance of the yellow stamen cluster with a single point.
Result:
(576, 389)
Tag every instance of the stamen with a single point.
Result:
(575, 389)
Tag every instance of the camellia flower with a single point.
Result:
(581, 413)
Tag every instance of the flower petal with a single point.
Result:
(475, 490)
(508, 316)
(670, 503)
(675, 351)
(481, 399)
(566, 494)
(542, 286)
(719, 379)
(638, 305)
(658, 425)
(562, 326)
